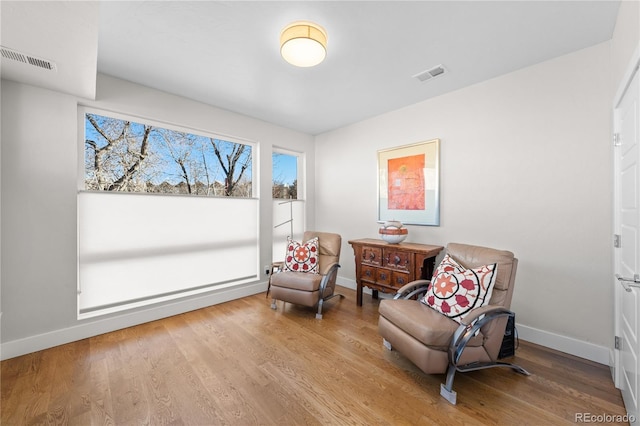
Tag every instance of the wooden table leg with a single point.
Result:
(359, 294)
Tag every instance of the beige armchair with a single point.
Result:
(309, 288)
(437, 343)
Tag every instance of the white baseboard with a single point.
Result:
(569, 345)
(579, 348)
(345, 282)
(98, 326)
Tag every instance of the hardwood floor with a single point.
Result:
(241, 363)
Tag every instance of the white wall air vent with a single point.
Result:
(27, 59)
(434, 72)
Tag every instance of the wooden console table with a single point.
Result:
(387, 267)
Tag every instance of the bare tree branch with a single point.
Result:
(128, 174)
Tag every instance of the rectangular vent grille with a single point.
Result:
(434, 72)
(27, 59)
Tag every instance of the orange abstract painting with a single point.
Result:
(406, 183)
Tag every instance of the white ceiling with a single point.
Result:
(226, 53)
(62, 32)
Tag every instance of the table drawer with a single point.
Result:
(368, 273)
(397, 259)
(382, 288)
(372, 255)
(398, 279)
(383, 277)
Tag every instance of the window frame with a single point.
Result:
(285, 210)
(300, 171)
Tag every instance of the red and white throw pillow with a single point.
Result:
(302, 257)
(448, 265)
(454, 290)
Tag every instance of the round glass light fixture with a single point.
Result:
(303, 44)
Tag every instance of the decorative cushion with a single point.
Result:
(448, 265)
(302, 257)
(454, 290)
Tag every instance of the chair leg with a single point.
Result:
(446, 390)
(273, 304)
(321, 301)
(386, 344)
(319, 314)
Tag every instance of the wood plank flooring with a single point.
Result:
(241, 363)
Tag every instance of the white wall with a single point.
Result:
(625, 40)
(525, 166)
(39, 188)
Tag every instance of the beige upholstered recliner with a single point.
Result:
(310, 289)
(436, 343)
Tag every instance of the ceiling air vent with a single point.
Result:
(434, 72)
(27, 59)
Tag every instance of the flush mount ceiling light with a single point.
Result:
(303, 44)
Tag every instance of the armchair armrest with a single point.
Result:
(466, 331)
(471, 317)
(329, 268)
(461, 338)
(417, 287)
(330, 272)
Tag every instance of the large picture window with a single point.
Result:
(126, 156)
(163, 212)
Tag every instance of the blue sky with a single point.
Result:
(285, 168)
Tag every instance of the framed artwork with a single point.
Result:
(409, 183)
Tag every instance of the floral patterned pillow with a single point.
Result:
(455, 290)
(448, 265)
(302, 257)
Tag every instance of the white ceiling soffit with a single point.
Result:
(63, 35)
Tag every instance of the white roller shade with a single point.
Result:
(139, 249)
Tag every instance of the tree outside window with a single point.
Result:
(125, 156)
(285, 176)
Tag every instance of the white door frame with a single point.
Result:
(632, 68)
